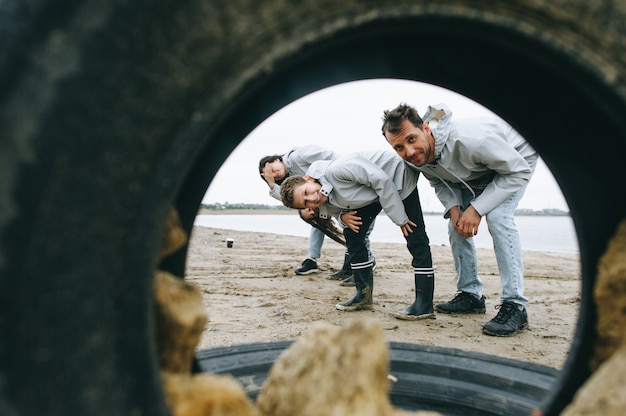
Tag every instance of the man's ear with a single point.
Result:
(308, 178)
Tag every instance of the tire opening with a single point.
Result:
(249, 363)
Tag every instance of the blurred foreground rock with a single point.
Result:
(332, 371)
(175, 237)
(610, 298)
(180, 320)
(604, 392)
(206, 395)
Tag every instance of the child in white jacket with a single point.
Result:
(273, 170)
(355, 188)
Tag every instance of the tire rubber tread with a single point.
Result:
(450, 381)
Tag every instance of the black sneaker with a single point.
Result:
(308, 266)
(463, 302)
(508, 322)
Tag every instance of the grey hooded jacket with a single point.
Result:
(363, 178)
(484, 155)
(299, 159)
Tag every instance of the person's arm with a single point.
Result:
(466, 222)
(512, 172)
(275, 193)
(351, 220)
(301, 158)
(269, 179)
(364, 172)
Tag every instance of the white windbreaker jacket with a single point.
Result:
(299, 159)
(484, 155)
(363, 178)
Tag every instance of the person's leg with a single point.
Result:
(422, 262)
(348, 280)
(345, 271)
(370, 253)
(316, 240)
(469, 298)
(512, 316)
(465, 262)
(359, 261)
(508, 249)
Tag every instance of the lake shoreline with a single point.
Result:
(204, 211)
(268, 211)
(537, 233)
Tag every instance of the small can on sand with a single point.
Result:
(229, 242)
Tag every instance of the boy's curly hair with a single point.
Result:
(287, 188)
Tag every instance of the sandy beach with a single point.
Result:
(252, 294)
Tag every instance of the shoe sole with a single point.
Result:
(343, 308)
(470, 312)
(504, 335)
(331, 277)
(335, 278)
(307, 272)
(405, 317)
(346, 284)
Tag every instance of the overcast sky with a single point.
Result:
(347, 118)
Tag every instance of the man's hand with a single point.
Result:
(267, 175)
(467, 222)
(407, 228)
(351, 220)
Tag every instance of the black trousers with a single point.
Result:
(417, 242)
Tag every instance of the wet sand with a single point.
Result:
(251, 294)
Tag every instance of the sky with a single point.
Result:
(347, 118)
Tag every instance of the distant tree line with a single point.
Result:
(226, 205)
(219, 206)
(545, 211)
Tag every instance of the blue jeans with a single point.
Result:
(507, 248)
(316, 239)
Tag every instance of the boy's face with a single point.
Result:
(308, 195)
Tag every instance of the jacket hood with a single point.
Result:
(438, 118)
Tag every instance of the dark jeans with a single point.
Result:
(356, 242)
(417, 242)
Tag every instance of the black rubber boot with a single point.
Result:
(346, 270)
(422, 307)
(364, 282)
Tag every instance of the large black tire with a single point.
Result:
(112, 112)
(449, 381)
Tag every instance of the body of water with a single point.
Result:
(538, 233)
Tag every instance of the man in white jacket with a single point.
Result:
(479, 167)
(355, 188)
